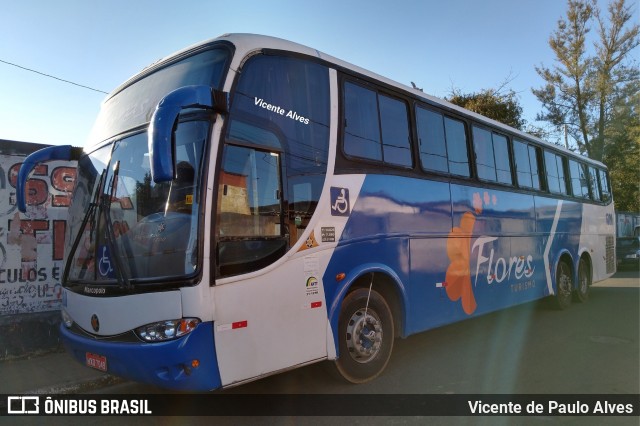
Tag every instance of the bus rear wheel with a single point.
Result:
(365, 336)
(564, 285)
(584, 281)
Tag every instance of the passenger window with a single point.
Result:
(593, 184)
(361, 124)
(604, 185)
(433, 149)
(492, 156)
(456, 147)
(523, 165)
(376, 127)
(555, 173)
(395, 131)
(483, 147)
(579, 179)
(526, 157)
(533, 160)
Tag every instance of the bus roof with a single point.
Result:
(246, 43)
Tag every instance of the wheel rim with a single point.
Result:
(364, 335)
(564, 284)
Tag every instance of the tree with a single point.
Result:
(492, 103)
(583, 89)
(622, 153)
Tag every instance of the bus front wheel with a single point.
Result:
(365, 336)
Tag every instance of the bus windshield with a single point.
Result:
(125, 227)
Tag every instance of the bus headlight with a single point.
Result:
(66, 318)
(167, 330)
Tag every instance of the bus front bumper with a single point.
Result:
(186, 363)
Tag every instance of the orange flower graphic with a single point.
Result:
(458, 276)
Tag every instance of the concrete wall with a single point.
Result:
(31, 251)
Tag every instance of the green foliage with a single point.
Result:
(493, 104)
(622, 154)
(592, 93)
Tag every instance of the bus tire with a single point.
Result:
(364, 346)
(564, 285)
(584, 281)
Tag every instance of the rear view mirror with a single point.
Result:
(165, 119)
(51, 153)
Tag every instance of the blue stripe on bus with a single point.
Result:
(417, 231)
(161, 364)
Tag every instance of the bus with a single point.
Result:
(250, 205)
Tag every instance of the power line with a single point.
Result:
(54, 77)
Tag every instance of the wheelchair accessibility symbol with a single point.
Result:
(339, 201)
(104, 264)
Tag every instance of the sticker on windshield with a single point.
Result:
(289, 113)
(104, 262)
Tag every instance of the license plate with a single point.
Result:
(96, 361)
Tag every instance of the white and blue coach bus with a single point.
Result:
(250, 205)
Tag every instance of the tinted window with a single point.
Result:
(503, 163)
(555, 173)
(526, 158)
(483, 146)
(134, 104)
(361, 124)
(579, 179)
(433, 149)
(456, 147)
(279, 122)
(604, 185)
(533, 160)
(492, 156)
(376, 127)
(523, 165)
(593, 184)
(395, 131)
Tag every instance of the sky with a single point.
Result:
(465, 44)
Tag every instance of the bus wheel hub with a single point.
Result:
(364, 335)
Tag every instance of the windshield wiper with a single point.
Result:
(123, 280)
(88, 216)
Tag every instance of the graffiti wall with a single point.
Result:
(32, 244)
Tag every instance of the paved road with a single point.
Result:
(591, 348)
(529, 349)
(533, 348)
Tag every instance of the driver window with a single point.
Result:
(249, 193)
(250, 231)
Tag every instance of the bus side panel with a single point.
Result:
(272, 321)
(559, 223)
(388, 256)
(489, 259)
(494, 232)
(393, 205)
(597, 238)
(389, 209)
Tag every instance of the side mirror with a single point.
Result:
(51, 153)
(165, 119)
